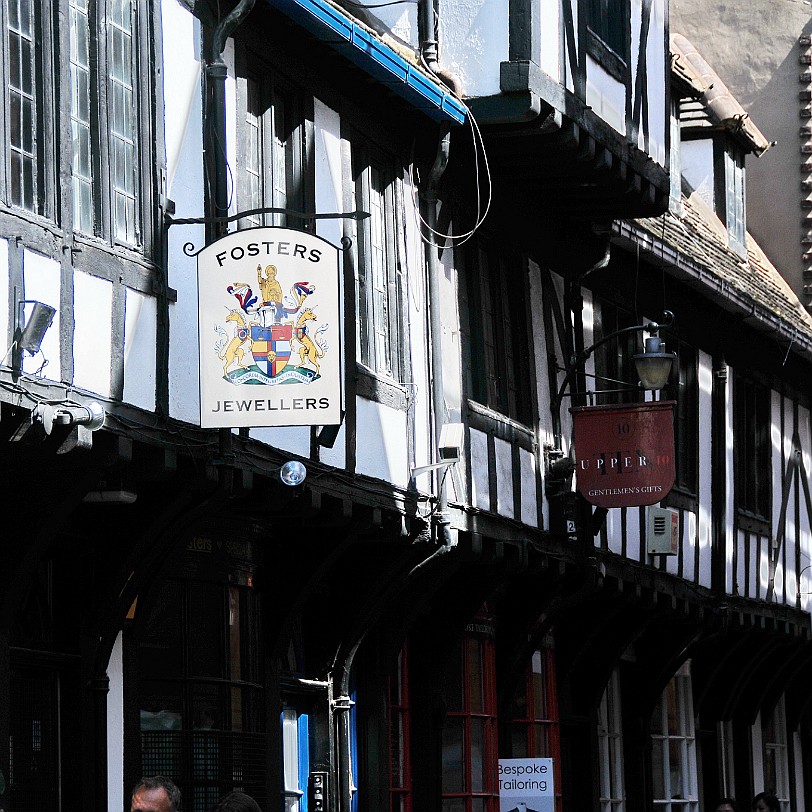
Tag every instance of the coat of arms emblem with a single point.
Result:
(271, 338)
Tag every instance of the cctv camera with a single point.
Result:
(451, 439)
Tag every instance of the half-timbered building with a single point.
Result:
(518, 194)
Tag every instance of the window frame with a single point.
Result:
(485, 799)
(380, 336)
(610, 747)
(59, 201)
(608, 30)
(675, 730)
(730, 189)
(272, 92)
(541, 663)
(500, 359)
(776, 754)
(399, 725)
(683, 388)
(614, 366)
(752, 450)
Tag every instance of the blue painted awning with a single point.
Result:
(380, 61)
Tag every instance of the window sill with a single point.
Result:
(372, 386)
(752, 522)
(608, 59)
(505, 428)
(682, 500)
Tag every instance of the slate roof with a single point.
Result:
(693, 247)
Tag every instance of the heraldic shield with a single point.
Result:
(270, 347)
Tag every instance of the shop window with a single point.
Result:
(200, 692)
(400, 768)
(379, 296)
(751, 447)
(499, 366)
(104, 106)
(776, 755)
(608, 22)
(469, 733)
(535, 729)
(673, 748)
(610, 748)
(271, 144)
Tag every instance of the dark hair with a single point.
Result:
(164, 783)
(236, 802)
(729, 802)
(772, 802)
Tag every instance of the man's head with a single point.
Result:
(155, 794)
(726, 805)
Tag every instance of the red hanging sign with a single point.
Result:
(624, 455)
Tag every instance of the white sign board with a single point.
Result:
(269, 330)
(526, 785)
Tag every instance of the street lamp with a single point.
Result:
(653, 365)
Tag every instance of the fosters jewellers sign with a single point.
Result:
(624, 455)
(269, 330)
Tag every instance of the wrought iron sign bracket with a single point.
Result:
(189, 247)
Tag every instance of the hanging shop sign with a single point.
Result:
(624, 455)
(269, 330)
(526, 785)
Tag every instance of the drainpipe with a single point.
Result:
(434, 270)
(216, 159)
(216, 72)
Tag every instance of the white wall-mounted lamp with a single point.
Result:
(90, 416)
(452, 436)
(32, 330)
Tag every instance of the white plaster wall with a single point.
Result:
(606, 96)
(778, 477)
(704, 519)
(231, 129)
(182, 118)
(790, 546)
(530, 496)
(696, 158)
(730, 537)
(115, 728)
(381, 442)
(93, 321)
(804, 518)
(329, 198)
(473, 40)
(480, 483)
(758, 755)
(180, 26)
(798, 768)
(634, 535)
(656, 54)
(565, 60)
(504, 478)
(140, 339)
(550, 56)
(614, 531)
(399, 19)
(42, 282)
(293, 439)
(5, 293)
